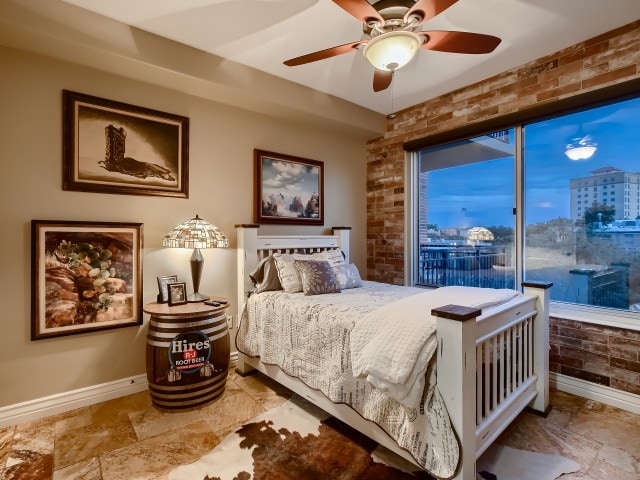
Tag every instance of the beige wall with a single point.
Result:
(222, 139)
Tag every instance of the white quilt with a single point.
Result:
(392, 345)
(308, 337)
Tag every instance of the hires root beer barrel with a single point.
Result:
(187, 354)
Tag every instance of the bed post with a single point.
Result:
(343, 240)
(247, 259)
(541, 290)
(456, 367)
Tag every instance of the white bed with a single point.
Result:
(466, 337)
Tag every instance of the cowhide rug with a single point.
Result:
(298, 441)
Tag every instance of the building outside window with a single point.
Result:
(490, 214)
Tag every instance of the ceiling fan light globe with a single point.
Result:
(393, 50)
(580, 153)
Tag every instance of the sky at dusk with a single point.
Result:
(482, 194)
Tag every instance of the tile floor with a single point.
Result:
(128, 439)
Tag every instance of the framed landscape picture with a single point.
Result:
(85, 276)
(114, 147)
(288, 189)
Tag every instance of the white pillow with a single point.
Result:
(290, 276)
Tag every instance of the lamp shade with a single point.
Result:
(195, 233)
(393, 50)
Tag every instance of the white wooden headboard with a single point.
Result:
(253, 247)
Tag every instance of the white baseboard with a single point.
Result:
(592, 391)
(62, 402)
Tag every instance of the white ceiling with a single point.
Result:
(264, 33)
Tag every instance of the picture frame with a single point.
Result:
(115, 147)
(289, 190)
(85, 277)
(163, 281)
(177, 293)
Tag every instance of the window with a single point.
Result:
(468, 227)
(465, 219)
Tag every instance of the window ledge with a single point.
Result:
(596, 315)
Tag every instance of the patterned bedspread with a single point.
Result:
(309, 336)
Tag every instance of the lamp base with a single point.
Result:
(197, 297)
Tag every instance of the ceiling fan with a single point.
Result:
(393, 28)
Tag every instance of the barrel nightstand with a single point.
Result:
(187, 354)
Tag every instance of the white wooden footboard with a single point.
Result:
(490, 367)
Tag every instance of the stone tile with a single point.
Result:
(151, 421)
(272, 401)
(91, 441)
(230, 411)
(119, 409)
(613, 412)
(48, 420)
(604, 470)
(232, 388)
(38, 439)
(534, 433)
(6, 437)
(559, 417)
(31, 453)
(28, 465)
(259, 386)
(83, 419)
(86, 470)
(578, 476)
(607, 430)
(566, 402)
(157, 455)
(620, 459)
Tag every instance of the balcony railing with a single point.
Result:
(482, 266)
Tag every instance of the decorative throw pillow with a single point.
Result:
(288, 273)
(347, 276)
(265, 276)
(317, 277)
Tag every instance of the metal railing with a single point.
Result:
(482, 266)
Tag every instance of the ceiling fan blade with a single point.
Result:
(459, 42)
(428, 9)
(381, 80)
(322, 54)
(360, 9)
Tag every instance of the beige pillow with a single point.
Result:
(317, 277)
(265, 276)
(288, 273)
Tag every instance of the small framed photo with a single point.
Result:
(163, 292)
(177, 293)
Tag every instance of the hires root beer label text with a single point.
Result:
(188, 352)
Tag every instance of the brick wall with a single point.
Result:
(602, 61)
(604, 355)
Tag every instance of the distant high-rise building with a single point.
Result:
(606, 186)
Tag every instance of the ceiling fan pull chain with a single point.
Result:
(392, 115)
